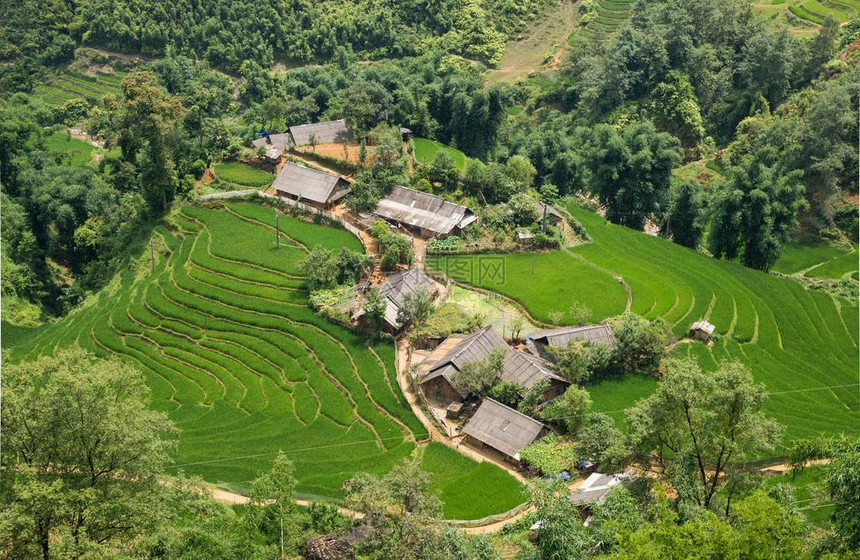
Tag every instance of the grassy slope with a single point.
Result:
(425, 151)
(801, 255)
(230, 350)
(239, 173)
(837, 267)
(470, 490)
(790, 337)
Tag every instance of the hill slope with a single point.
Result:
(793, 339)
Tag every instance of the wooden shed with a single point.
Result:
(701, 330)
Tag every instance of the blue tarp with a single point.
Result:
(263, 133)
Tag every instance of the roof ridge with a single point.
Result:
(443, 199)
(526, 416)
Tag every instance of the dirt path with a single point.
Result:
(546, 34)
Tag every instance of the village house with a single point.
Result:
(395, 289)
(311, 186)
(538, 342)
(280, 141)
(701, 330)
(328, 132)
(503, 429)
(453, 354)
(426, 215)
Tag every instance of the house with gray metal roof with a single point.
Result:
(503, 428)
(539, 341)
(426, 214)
(310, 185)
(324, 132)
(519, 368)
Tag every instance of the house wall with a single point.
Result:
(440, 390)
(555, 389)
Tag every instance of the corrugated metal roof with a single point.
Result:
(595, 334)
(395, 288)
(596, 487)
(280, 141)
(310, 184)
(503, 428)
(518, 367)
(423, 210)
(325, 132)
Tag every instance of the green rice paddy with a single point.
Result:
(468, 489)
(801, 344)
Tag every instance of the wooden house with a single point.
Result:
(538, 342)
(328, 132)
(519, 368)
(426, 215)
(311, 186)
(395, 289)
(503, 429)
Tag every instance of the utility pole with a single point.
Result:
(152, 254)
(543, 224)
(277, 230)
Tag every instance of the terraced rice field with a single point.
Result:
(90, 88)
(611, 14)
(817, 11)
(231, 351)
(816, 260)
(792, 339)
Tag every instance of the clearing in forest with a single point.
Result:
(802, 344)
(525, 54)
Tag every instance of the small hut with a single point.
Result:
(701, 330)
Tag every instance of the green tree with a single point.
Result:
(630, 172)
(560, 534)
(374, 307)
(417, 307)
(641, 345)
(272, 509)
(81, 456)
(601, 442)
(523, 209)
(475, 378)
(754, 210)
(403, 518)
(676, 111)
(148, 135)
(711, 422)
(569, 410)
(685, 220)
(320, 267)
(364, 105)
